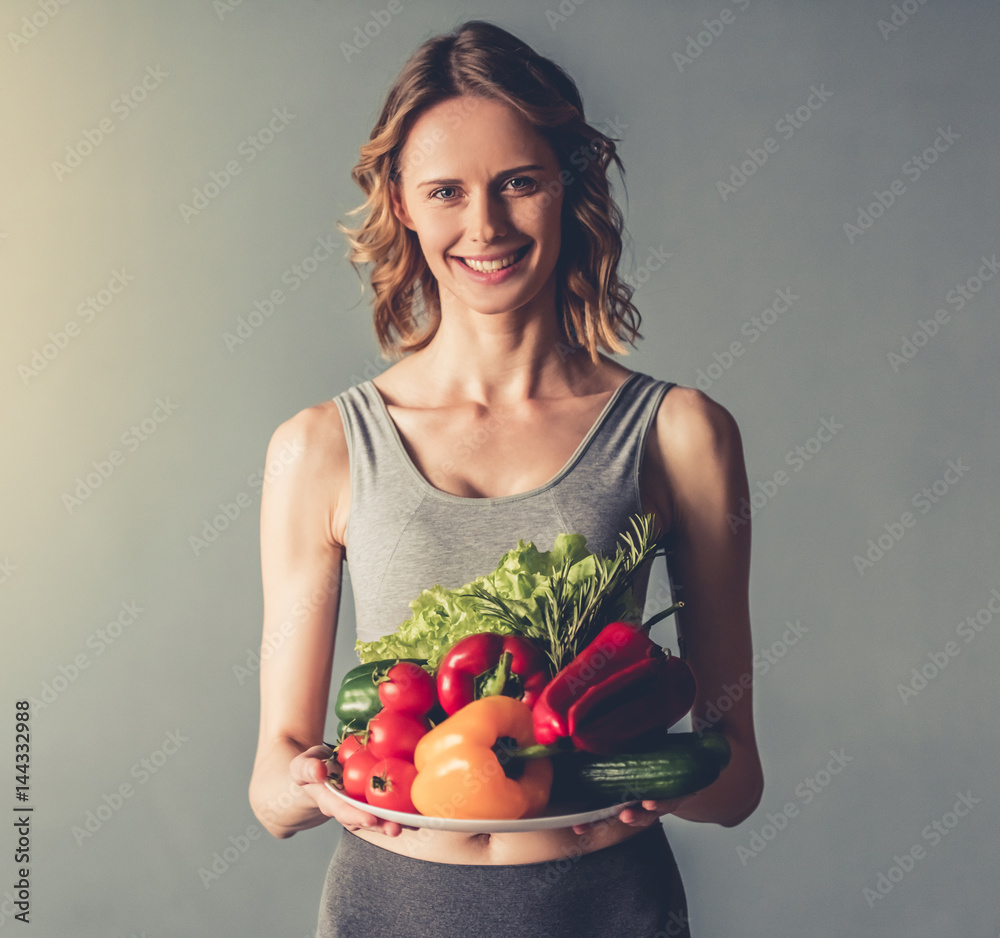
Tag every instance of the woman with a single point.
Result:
(494, 243)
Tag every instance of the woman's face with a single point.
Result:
(480, 187)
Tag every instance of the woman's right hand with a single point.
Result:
(309, 771)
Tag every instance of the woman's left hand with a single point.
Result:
(638, 815)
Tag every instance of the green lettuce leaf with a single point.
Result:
(523, 579)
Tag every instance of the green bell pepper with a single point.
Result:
(358, 700)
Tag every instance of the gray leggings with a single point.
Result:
(629, 890)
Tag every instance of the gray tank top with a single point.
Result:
(404, 535)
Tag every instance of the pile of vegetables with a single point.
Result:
(526, 687)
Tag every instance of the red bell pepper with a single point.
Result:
(619, 687)
(486, 665)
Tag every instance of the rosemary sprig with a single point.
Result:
(572, 620)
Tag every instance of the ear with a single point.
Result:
(398, 204)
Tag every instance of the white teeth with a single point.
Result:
(487, 266)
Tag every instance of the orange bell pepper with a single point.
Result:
(463, 770)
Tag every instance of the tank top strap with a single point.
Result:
(369, 437)
(603, 489)
(613, 456)
(383, 484)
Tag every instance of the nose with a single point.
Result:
(487, 217)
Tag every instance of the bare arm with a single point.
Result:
(302, 563)
(700, 468)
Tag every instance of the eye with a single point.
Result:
(521, 184)
(449, 193)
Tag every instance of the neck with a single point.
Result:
(502, 358)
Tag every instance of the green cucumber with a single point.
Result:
(681, 764)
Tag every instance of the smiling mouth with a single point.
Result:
(485, 267)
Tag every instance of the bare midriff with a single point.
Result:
(529, 847)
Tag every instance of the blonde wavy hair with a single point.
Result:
(481, 60)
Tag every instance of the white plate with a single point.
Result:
(545, 822)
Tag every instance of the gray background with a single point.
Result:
(182, 666)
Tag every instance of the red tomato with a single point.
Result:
(389, 784)
(408, 687)
(357, 769)
(348, 747)
(395, 733)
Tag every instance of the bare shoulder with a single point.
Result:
(691, 426)
(308, 468)
(314, 431)
(695, 452)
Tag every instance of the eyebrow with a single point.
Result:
(500, 175)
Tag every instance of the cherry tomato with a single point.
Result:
(357, 769)
(348, 747)
(395, 733)
(389, 784)
(408, 687)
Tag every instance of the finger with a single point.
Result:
(301, 768)
(664, 807)
(362, 819)
(308, 771)
(637, 817)
(323, 751)
(321, 769)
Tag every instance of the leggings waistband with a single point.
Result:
(631, 889)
